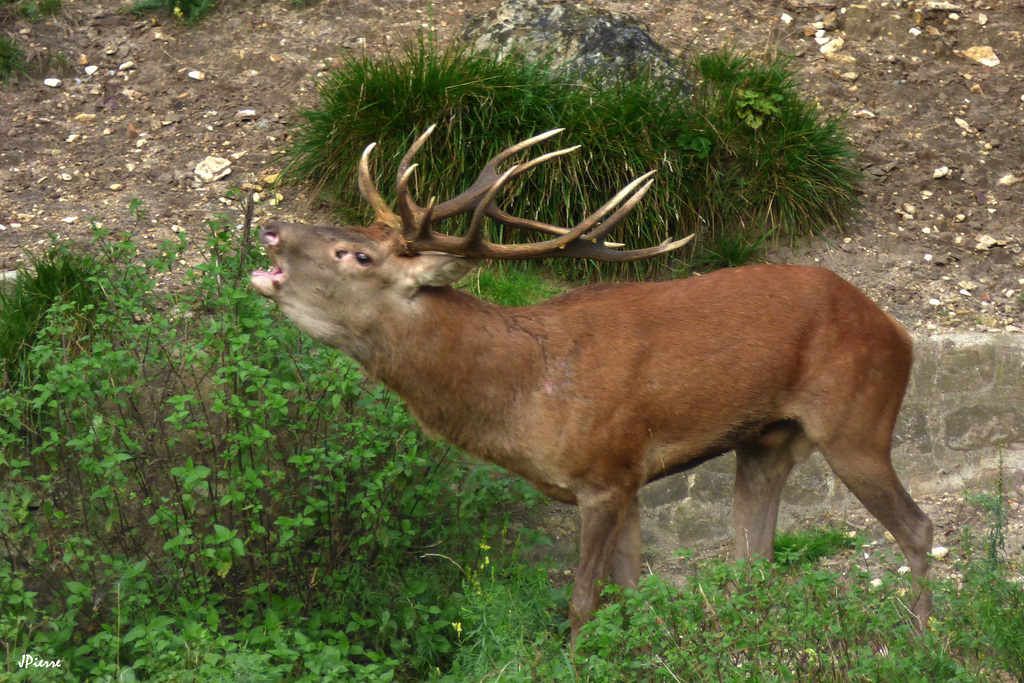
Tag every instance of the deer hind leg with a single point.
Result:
(610, 531)
(868, 472)
(762, 468)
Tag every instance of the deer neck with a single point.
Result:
(461, 365)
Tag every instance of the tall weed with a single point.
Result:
(994, 601)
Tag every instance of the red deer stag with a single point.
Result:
(594, 393)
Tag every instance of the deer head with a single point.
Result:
(316, 278)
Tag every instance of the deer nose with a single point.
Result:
(270, 235)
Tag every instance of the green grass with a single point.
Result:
(509, 617)
(34, 10)
(728, 250)
(188, 11)
(37, 10)
(802, 548)
(510, 287)
(12, 60)
(60, 276)
(742, 158)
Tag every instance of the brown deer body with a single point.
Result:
(593, 394)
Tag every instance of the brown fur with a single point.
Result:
(593, 394)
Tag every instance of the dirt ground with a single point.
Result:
(939, 236)
(141, 101)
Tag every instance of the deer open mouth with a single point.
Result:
(267, 282)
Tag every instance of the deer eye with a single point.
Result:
(361, 258)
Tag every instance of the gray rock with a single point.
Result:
(576, 39)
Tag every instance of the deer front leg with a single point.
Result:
(602, 518)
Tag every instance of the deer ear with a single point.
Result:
(435, 269)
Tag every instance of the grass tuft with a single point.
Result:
(37, 10)
(188, 11)
(805, 548)
(61, 276)
(12, 60)
(743, 158)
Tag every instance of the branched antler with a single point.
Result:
(585, 240)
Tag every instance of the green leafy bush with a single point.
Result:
(742, 158)
(751, 621)
(207, 491)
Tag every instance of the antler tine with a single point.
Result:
(406, 162)
(486, 204)
(417, 220)
(614, 256)
(467, 199)
(472, 239)
(489, 174)
(566, 237)
(607, 225)
(566, 244)
(584, 229)
(369, 190)
(518, 223)
(520, 146)
(413, 218)
(533, 163)
(413, 225)
(593, 219)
